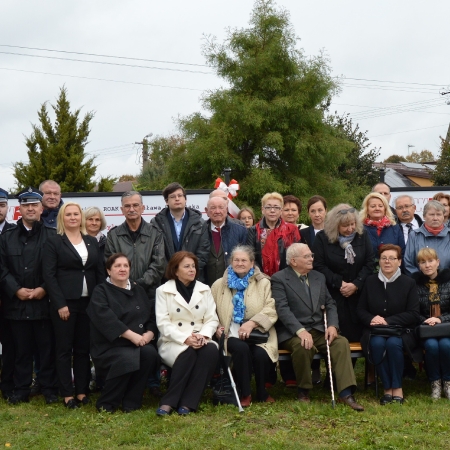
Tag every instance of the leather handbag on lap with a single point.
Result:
(257, 337)
(439, 330)
(387, 330)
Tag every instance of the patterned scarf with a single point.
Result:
(380, 224)
(288, 232)
(240, 284)
(434, 297)
(346, 243)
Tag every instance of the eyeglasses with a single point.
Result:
(391, 258)
(345, 211)
(174, 196)
(401, 208)
(274, 208)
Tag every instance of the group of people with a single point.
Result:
(168, 290)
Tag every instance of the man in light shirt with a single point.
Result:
(405, 209)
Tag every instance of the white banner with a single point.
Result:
(421, 198)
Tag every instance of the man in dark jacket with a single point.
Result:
(300, 293)
(141, 241)
(51, 202)
(224, 235)
(6, 376)
(406, 217)
(182, 227)
(26, 303)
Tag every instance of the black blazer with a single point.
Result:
(64, 272)
(307, 236)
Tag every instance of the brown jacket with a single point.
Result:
(260, 307)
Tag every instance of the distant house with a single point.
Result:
(405, 174)
(123, 186)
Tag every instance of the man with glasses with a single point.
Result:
(405, 209)
(271, 236)
(51, 202)
(141, 241)
(299, 294)
(183, 228)
(224, 235)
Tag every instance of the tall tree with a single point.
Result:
(441, 174)
(56, 151)
(395, 159)
(269, 125)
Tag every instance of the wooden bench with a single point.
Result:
(355, 352)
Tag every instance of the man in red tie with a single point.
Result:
(224, 236)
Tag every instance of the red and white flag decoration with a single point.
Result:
(231, 191)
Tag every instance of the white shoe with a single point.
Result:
(436, 389)
(447, 389)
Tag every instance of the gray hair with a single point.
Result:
(51, 183)
(95, 211)
(335, 218)
(245, 249)
(411, 198)
(293, 250)
(433, 204)
(127, 194)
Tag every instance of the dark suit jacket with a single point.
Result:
(294, 306)
(307, 236)
(64, 272)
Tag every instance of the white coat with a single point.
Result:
(177, 320)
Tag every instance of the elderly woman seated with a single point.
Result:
(389, 299)
(122, 326)
(433, 286)
(186, 318)
(244, 303)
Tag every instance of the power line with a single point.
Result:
(101, 79)
(104, 56)
(394, 82)
(409, 131)
(106, 63)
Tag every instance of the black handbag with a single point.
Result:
(257, 337)
(439, 330)
(387, 330)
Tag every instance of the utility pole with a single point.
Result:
(409, 146)
(145, 154)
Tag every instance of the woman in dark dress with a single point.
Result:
(123, 324)
(72, 267)
(390, 298)
(343, 253)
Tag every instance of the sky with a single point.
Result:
(391, 58)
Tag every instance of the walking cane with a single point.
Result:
(233, 385)
(333, 402)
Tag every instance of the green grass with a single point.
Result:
(419, 424)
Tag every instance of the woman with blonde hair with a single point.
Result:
(343, 253)
(433, 287)
(272, 235)
(72, 267)
(380, 223)
(95, 223)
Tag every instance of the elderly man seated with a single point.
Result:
(299, 293)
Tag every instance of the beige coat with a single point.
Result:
(177, 320)
(260, 307)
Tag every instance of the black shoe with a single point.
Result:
(398, 399)
(105, 409)
(71, 404)
(7, 394)
(16, 398)
(35, 388)
(51, 398)
(84, 401)
(386, 399)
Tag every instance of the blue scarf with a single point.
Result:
(240, 284)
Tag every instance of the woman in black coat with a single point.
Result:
(123, 324)
(72, 267)
(390, 298)
(317, 211)
(343, 253)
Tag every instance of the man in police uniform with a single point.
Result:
(25, 300)
(6, 377)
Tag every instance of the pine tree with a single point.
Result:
(57, 151)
